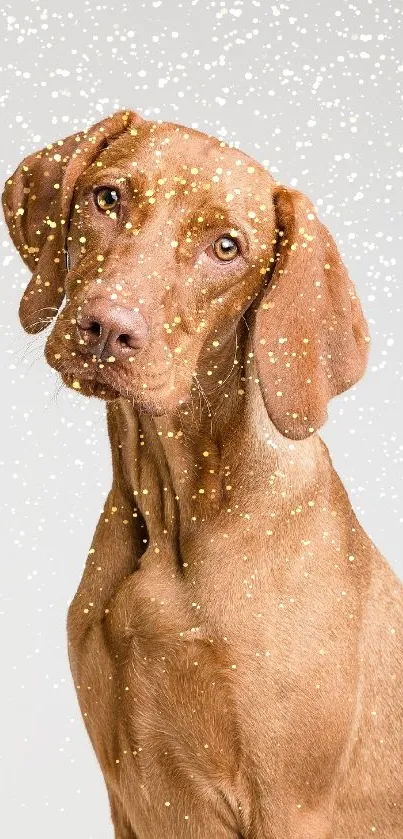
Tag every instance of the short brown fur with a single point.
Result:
(236, 638)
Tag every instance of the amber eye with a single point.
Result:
(226, 248)
(107, 198)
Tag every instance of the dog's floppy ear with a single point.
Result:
(310, 337)
(36, 202)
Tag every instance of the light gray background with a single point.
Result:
(313, 90)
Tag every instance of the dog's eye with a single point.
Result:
(226, 248)
(106, 198)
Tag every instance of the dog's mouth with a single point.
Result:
(104, 381)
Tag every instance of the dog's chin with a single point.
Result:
(89, 387)
(156, 402)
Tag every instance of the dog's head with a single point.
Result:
(162, 239)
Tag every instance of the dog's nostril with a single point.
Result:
(124, 339)
(87, 325)
(94, 328)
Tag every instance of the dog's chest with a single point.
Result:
(188, 709)
(200, 657)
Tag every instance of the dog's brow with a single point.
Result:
(124, 174)
(215, 215)
(217, 220)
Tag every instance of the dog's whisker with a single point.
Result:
(38, 336)
(22, 342)
(198, 391)
(203, 394)
(246, 323)
(48, 309)
(53, 399)
(37, 358)
(46, 321)
(21, 354)
(219, 386)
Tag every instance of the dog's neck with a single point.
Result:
(214, 457)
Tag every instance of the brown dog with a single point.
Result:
(236, 638)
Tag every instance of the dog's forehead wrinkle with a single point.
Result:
(183, 172)
(172, 140)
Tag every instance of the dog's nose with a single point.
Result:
(108, 329)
